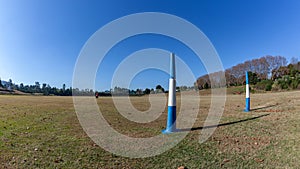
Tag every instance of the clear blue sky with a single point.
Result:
(41, 40)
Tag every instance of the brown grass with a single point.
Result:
(43, 132)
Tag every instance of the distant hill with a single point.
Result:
(7, 91)
(14, 92)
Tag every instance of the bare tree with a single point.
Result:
(261, 67)
(275, 62)
(278, 73)
(294, 60)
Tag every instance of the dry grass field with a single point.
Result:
(44, 132)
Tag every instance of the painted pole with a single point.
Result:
(247, 107)
(171, 121)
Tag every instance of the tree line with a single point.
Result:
(46, 89)
(265, 73)
(119, 91)
(267, 70)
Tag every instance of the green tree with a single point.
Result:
(21, 86)
(63, 90)
(64, 87)
(10, 84)
(158, 87)
(44, 86)
(44, 89)
(1, 85)
(147, 91)
(253, 78)
(37, 87)
(284, 82)
(264, 85)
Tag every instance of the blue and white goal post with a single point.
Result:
(247, 106)
(171, 120)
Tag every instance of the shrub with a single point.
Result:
(275, 86)
(284, 82)
(268, 87)
(264, 85)
(295, 82)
